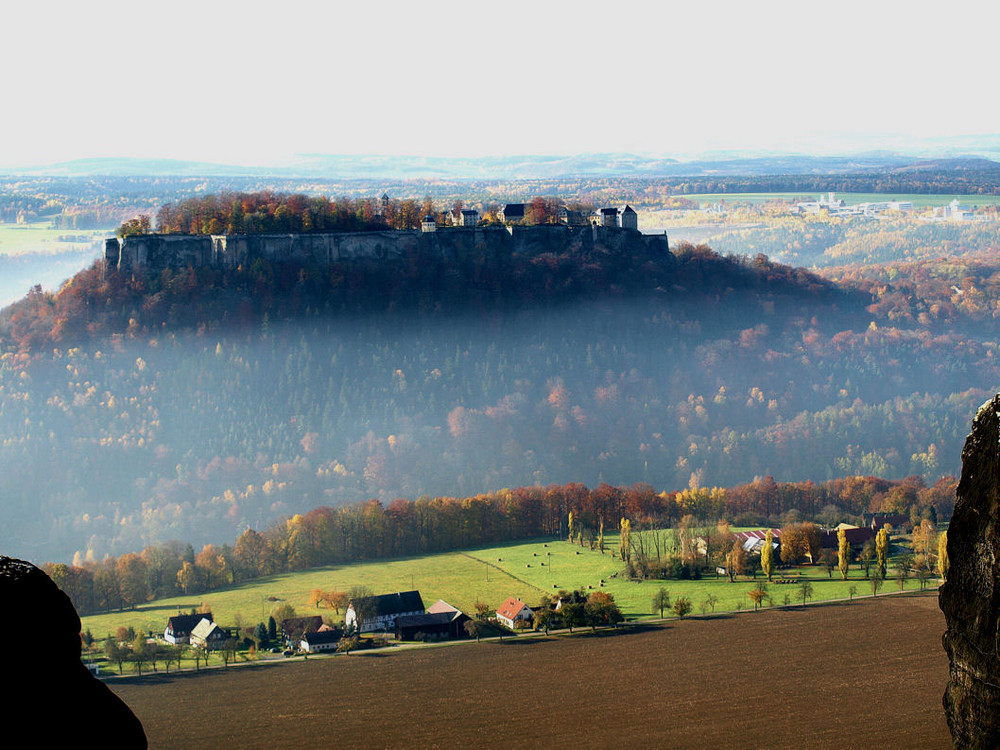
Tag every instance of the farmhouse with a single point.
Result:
(514, 610)
(433, 625)
(753, 541)
(206, 634)
(295, 628)
(371, 613)
(179, 627)
(856, 537)
(324, 639)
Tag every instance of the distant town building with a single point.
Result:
(837, 207)
(954, 211)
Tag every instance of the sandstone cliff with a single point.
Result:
(970, 599)
(48, 698)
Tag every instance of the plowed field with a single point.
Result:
(861, 675)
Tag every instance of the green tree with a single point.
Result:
(115, 652)
(573, 615)
(875, 581)
(867, 556)
(600, 609)
(349, 643)
(543, 619)
(682, 607)
(661, 600)
(805, 591)
(767, 555)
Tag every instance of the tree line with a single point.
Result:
(370, 531)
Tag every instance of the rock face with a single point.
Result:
(47, 697)
(970, 598)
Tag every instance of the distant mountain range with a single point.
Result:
(333, 166)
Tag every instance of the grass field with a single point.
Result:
(489, 574)
(867, 674)
(918, 200)
(40, 237)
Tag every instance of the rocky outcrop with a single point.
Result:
(48, 698)
(970, 598)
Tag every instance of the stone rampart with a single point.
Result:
(175, 251)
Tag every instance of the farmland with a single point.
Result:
(802, 677)
(491, 574)
(918, 200)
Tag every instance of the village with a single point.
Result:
(389, 619)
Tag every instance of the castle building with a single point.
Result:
(512, 213)
(470, 217)
(607, 217)
(629, 218)
(428, 224)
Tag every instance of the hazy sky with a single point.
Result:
(251, 82)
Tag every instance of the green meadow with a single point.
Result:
(490, 574)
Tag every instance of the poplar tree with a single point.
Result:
(942, 561)
(882, 549)
(624, 542)
(843, 552)
(767, 555)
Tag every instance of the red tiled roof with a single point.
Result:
(511, 608)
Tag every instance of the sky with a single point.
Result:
(255, 83)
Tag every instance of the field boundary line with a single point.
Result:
(505, 572)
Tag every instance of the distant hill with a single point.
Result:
(340, 166)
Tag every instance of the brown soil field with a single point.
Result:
(859, 675)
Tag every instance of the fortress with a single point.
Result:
(176, 251)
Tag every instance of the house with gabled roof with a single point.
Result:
(324, 639)
(432, 626)
(753, 541)
(295, 627)
(513, 610)
(208, 635)
(179, 627)
(371, 613)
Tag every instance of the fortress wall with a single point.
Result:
(175, 251)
